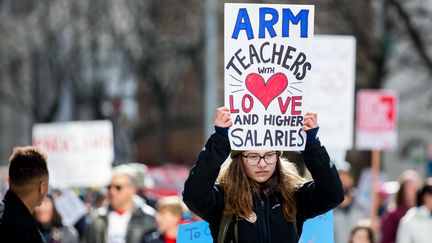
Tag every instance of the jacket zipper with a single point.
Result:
(262, 221)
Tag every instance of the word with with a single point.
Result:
(266, 70)
(280, 54)
(289, 138)
(243, 22)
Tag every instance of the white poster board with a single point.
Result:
(80, 154)
(70, 207)
(377, 116)
(267, 63)
(332, 89)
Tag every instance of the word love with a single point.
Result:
(247, 104)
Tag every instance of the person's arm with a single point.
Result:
(325, 192)
(200, 193)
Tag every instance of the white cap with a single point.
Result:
(343, 165)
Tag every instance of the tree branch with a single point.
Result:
(413, 33)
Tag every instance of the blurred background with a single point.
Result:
(143, 65)
(154, 69)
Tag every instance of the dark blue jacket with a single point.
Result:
(316, 197)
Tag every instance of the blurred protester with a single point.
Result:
(409, 183)
(362, 232)
(144, 181)
(170, 211)
(50, 224)
(416, 225)
(28, 186)
(126, 218)
(349, 212)
(92, 200)
(383, 198)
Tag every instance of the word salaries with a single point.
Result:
(247, 137)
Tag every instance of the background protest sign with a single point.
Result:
(319, 229)
(198, 232)
(70, 207)
(331, 89)
(376, 120)
(79, 153)
(267, 63)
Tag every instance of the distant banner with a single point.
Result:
(332, 89)
(196, 232)
(267, 63)
(377, 117)
(80, 154)
(319, 229)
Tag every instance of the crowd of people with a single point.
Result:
(28, 211)
(258, 197)
(404, 217)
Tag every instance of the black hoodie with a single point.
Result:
(206, 199)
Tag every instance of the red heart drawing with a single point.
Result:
(266, 92)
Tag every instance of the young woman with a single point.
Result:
(50, 223)
(257, 198)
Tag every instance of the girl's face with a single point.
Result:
(360, 236)
(259, 165)
(410, 191)
(44, 212)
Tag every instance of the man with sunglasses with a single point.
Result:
(127, 218)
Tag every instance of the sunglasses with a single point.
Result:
(116, 187)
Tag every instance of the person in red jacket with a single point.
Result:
(259, 198)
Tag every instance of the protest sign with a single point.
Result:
(267, 63)
(198, 232)
(70, 207)
(79, 153)
(376, 120)
(319, 229)
(331, 89)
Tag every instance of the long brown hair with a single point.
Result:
(239, 189)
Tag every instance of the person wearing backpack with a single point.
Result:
(259, 197)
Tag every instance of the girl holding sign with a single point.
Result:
(257, 198)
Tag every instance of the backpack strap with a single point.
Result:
(296, 231)
(236, 231)
(223, 228)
